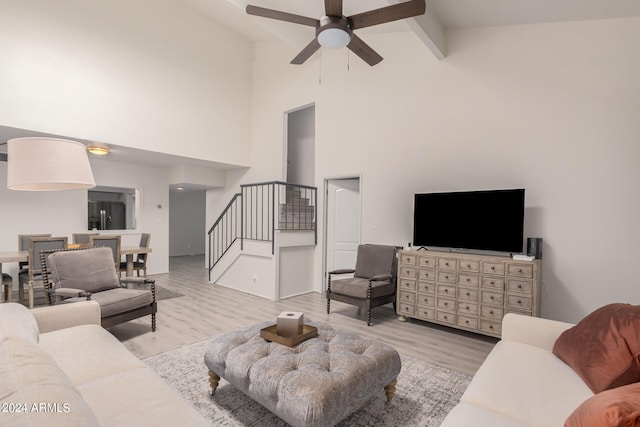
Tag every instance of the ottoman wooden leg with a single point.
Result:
(390, 390)
(213, 381)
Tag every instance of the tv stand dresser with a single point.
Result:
(466, 291)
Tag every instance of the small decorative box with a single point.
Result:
(289, 324)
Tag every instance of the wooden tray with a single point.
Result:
(269, 334)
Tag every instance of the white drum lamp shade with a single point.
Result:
(47, 164)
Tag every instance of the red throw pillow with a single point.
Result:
(604, 347)
(619, 407)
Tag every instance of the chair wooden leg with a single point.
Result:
(390, 390)
(214, 379)
(153, 322)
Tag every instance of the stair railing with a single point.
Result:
(258, 211)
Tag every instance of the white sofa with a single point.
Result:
(59, 367)
(521, 383)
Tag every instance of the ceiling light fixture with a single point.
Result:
(47, 164)
(180, 188)
(334, 32)
(98, 150)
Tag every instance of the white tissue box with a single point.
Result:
(289, 324)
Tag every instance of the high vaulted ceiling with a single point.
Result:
(430, 28)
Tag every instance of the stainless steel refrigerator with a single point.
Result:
(106, 215)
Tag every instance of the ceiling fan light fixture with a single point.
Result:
(334, 38)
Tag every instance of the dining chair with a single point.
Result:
(33, 273)
(110, 241)
(82, 238)
(23, 245)
(7, 284)
(140, 263)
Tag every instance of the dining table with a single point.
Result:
(23, 256)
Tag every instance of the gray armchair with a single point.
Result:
(373, 283)
(83, 274)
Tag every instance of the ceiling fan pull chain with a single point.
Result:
(348, 60)
(320, 70)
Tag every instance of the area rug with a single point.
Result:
(424, 396)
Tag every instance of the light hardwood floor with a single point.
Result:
(206, 310)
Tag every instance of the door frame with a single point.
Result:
(325, 220)
(285, 148)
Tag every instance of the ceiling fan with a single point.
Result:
(334, 30)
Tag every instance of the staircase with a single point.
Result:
(256, 213)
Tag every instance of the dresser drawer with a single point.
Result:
(467, 308)
(468, 322)
(446, 291)
(427, 288)
(468, 279)
(406, 309)
(427, 275)
(520, 270)
(446, 277)
(426, 300)
(493, 283)
(470, 265)
(494, 328)
(427, 261)
(406, 271)
(515, 285)
(488, 297)
(409, 259)
(493, 268)
(448, 263)
(426, 313)
(446, 317)
(407, 284)
(489, 312)
(519, 302)
(407, 297)
(446, 304)
(469, 294)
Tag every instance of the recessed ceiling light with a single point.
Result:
(100, 151)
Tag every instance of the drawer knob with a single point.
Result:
(493, 283)
(519, 286)
(468, 265)
(493, 268)
(519, 302)
(447, 264)
(468, 280)
(491, 297)
(446, 303)
(466, 321)
(468, 294)
(446, 277)
(446, 317)
(446, 291)
(490, 326)
(520, 270)
(491, 312)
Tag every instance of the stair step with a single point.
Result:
(288, 209)
(296, 226)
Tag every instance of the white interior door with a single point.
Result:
(343, 223)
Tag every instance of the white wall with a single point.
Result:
(149, 74)
(187, 223)
(552, 108)
(63, 213)
(301, 146)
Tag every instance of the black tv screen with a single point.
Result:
(482, 220)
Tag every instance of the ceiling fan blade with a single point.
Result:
(394, 12)
(306, 53)
(363, 50)
(281, 16)
(333, 7)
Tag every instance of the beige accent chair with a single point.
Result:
(33, 274)
(140, 263)
(90, 274)
(373, 283)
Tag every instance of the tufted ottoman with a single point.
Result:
(315, 383)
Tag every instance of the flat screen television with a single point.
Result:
(478, 220)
